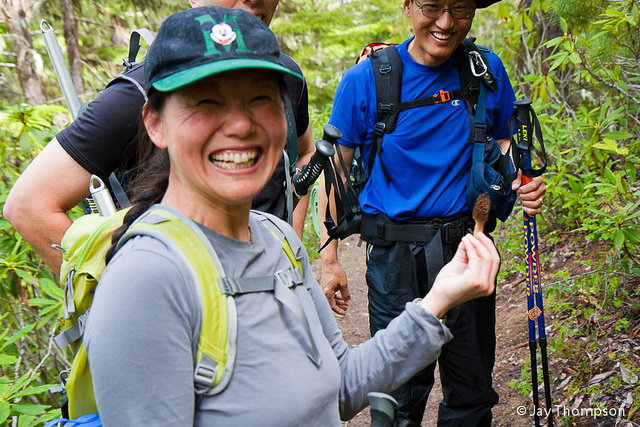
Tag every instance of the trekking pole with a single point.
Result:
(535, 311)
(312, 170)
(59, 66)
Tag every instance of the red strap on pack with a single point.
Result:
(371, 47)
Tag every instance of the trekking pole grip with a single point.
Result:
(331, 134)
(312, 170)
(524, 129)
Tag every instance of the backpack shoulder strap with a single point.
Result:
(137, 83)
(286, 279)
(473, 69)
(290, 154)
(387, 72)
(217, 344)
(216, 351)
(291, 244)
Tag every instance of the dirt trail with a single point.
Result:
(511, 332)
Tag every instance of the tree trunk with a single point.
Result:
(71, 40)
(26, 57)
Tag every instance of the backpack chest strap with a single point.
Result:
(438, 98)
(290, 277)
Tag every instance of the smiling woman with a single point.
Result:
(224, 135)
(245, 337)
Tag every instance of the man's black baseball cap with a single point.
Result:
(481, 4)
(199, 42)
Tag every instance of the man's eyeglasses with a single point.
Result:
(435, 10)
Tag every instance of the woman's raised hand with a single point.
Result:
(470, 274)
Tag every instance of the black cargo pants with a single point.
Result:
(399, 272)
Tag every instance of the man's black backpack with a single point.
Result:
(491, 171)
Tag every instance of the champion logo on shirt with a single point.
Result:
(456, 102)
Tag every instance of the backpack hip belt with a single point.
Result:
(426, 236)
(379, 229)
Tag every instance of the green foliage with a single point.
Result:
(103, 28)
(576, 59)
(581, 71)
(29, 295)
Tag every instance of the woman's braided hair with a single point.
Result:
(151, 173)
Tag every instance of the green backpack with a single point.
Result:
(85, 245)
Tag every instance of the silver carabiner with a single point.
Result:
(101, 197)
(477, 61)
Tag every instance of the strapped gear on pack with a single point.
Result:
(492, 170)
(85, 245)
(129, 63)
(521, 147)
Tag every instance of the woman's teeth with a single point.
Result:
(235, 159)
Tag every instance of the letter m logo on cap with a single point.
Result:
(221, 35)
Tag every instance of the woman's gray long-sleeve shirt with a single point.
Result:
(144, 327)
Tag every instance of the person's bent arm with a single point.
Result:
(305, 151)
(38, 203)
(334, 279)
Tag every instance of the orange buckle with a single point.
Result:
(441, 97)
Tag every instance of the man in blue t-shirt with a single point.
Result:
(428, 159)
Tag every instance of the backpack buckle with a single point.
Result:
(478, 67)
(480, 133)
(385, 108)
(379, 128)
(126, 64)
(203, 377)
(290, 277)
(453, 232)
(228, 286)
(441, 97)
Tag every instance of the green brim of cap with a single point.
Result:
(186, 77)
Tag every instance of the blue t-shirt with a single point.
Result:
(427, 156)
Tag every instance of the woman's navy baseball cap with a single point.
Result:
(199, 42)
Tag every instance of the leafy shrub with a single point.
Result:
(29, 295)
